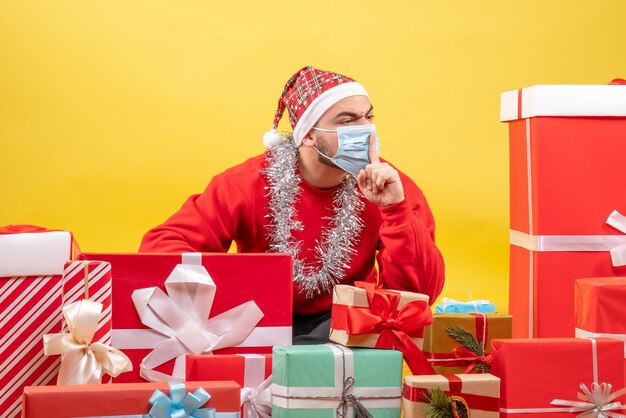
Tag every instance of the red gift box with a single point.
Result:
(566, 170)
(122, 399)
(600, 309)
(250, 371)
(239, 278)
(30, 306)
(534, 372)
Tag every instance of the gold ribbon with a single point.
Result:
(597, 402)
(83, 361)
(86, 278)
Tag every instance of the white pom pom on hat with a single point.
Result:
(272, 138)
(308, 94)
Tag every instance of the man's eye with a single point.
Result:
(370, 117)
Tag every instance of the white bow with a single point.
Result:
(596, 403)
(618, 254)
(183, 319)
(257, 402)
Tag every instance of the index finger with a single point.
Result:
(372, 152)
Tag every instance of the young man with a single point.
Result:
(321, 195)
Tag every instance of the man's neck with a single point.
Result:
(317, 174)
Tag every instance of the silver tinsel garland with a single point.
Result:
(338, 241)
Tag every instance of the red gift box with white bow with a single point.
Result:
(166, 306)
(544, 377)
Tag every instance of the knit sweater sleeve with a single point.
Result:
(408, 258)
(206, 222)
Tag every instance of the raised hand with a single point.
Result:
(379, 182)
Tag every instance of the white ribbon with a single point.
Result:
(257, 402)
(256, 395)
(615, 244)
(596, 403)
(83, 361)
(181, 318)
(581, 333)
(599, 397)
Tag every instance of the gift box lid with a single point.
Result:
(475, 384)
(42, 253)
(563, 100)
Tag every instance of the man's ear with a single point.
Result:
(309, 139)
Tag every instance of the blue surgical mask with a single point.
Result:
(353, 147)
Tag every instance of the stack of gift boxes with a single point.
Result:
(176, 335)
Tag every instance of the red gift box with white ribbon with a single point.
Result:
(567, 148)
(166, 306)
(251, 371)
(555, 377)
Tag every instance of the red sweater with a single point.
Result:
(233, 207)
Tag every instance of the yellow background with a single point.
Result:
(113, 112)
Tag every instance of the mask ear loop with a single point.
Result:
(322, 154)
(315, 147)
(325, 130)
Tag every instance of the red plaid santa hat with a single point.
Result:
(307, 95)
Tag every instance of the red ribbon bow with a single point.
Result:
(19, 229)
(396, 326)
(463, 353)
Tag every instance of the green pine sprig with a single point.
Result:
(439, 405)
(467, 340)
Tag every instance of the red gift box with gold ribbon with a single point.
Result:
(367, 316)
